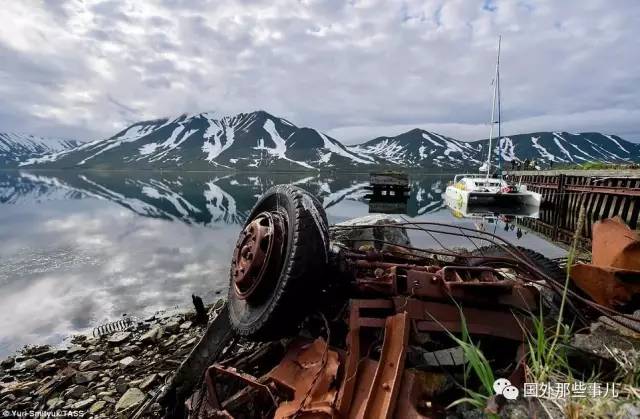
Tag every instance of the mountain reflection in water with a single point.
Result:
(82, 248)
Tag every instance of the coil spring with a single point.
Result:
(115, 326)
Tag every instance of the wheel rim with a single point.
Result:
(257, 255)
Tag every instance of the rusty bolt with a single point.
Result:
(386, 386)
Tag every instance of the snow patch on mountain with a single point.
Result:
(543, 151)
(213, 136)
(337, 149)
(556, 139)
(507, 149)
(617, 143)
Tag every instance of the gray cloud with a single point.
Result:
(357, 68)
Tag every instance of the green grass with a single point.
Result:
(476, 363)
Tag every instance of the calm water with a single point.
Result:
(78, 249)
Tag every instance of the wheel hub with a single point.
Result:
(257, 254)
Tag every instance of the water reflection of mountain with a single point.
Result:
(199, 198)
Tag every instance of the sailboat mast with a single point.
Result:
(493, 109)
(499, 110)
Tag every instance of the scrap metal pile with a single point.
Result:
(355, 321)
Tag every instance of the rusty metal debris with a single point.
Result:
(612, 279)
(392, 307)
(116, 326)
(380, 342)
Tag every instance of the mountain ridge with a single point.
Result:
(261, 141)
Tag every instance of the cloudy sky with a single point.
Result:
(356, 69)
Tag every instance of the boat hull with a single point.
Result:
(499, 199)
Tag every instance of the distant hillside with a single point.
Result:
(565, 147)
(261, 141)
(254, 140)
(17, 148)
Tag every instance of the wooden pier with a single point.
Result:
(565, 194)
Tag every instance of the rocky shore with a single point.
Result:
(118, 374)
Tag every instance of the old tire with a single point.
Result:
(551, 300)
(540, 261)
(288, 294)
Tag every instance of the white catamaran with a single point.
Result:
(488, 189)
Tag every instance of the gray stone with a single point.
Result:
(109, 399)
(55, 402)
(8, 397)
(87, 365)
(190, 342)
(107, 393)
(147, 382)
(26, 365)
(76, 392)
(369, 237)
(49, 366)
(50, 354)
(128, 362)
(97, 406)
(170, 341)
(131, 349)
(172, 326)
(152, 335)
(186, 325)
(83, 404)
(83, 377)
(122, 385)
(7, 363)
(75, 349)
(130, 400)
(96, 356)
(118, 337)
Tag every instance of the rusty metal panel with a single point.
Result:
(436, 317)
(613, 277)
(384, 389)
(615, 245)
(308, 371)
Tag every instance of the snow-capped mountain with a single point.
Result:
(17, 148)
(261, 141)
(254, 140)
(421, 149)
(565, 147)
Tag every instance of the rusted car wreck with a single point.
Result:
(358, 321)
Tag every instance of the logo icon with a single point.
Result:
(503, 386)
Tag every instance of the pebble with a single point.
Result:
(132, 398)
(27, 365)
(147, 382)
(83, 377)
(172, 327)
(118, 337)
(55, 402)
(97, 406)
(87, 365)
(122, 385)
(50, 354)
(152, 335)
(8, 363)
(97, 374)
(75, 349)
(76, 391)
(128, 362)
(96, 356)
(83, 404)
(49, 367)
